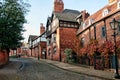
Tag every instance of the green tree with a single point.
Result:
(12, 18)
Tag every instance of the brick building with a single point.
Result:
(61, 31)
(30, 42)
(37, 44)
(97, 27)
(85, 34)
(20, 51)
(72, 29)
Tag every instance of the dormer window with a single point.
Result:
(118, 5)
(105, 12)
(91, 21)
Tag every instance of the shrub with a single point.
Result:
(70, 57)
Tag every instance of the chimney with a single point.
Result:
(85, 15)
(42, 28)
(58, 6)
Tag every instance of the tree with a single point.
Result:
(12, 18)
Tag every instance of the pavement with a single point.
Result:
(90, 71)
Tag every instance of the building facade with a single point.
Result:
(37, 44)
(61, 31)
(87, 35)
(97, 26)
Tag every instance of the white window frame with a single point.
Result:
(84, 25)
(91, 21)
(105, 12)
(118, 5)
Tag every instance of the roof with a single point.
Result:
(32, 37)
(98, 16)
(67, 15)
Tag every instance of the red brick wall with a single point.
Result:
(99, 37)
(4, 57)
(65, 38)
(68, 39)
(42, 46)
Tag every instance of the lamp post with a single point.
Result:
(114, 25)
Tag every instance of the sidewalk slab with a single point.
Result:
(82, 70)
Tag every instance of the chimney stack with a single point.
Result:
(85, 15)
(42, 28)
(58, 6)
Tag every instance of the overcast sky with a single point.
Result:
(41, 9)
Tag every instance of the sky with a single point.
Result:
(40, 10)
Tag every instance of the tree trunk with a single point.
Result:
(7, 55)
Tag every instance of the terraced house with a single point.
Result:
(37, 44)
(61, 31)
(96, 35)
(87, 35)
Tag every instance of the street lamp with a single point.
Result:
(114, 25)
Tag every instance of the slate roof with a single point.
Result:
(67, 15)
(98, 15)
(32, 37)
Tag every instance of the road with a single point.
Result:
(38, 70)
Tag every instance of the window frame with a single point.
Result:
(118, 5)
(105, 12)
(103, 32)
(118, 27)
(54, 50)
(82, 42)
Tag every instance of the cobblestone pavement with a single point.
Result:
(34, 70)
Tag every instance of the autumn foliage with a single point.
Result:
(104, 50)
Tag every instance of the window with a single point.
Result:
(103, 30)
(43, 51)
(49, 52)
(54, 37)
(105, 12)
(91, 21)
(49, 28)
(54, 50)
(118, 5)
(84, 25)
(65, 24)
(48, 41)
(119, 28)
(82, 42)
(61, 24)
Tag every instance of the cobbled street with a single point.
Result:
(29, 69)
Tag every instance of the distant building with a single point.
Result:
(23, 50)
(37, 44)
(31, 44)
